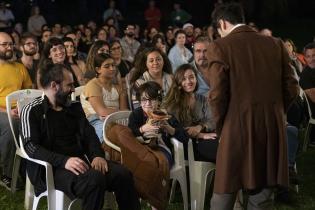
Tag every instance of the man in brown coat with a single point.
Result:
(252, 86)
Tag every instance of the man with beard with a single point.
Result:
(56, 131)
(201, 63)
(13, 76)
(190, 39)
(129, 44)
(29, 48)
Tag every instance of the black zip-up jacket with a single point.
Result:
(38, 140)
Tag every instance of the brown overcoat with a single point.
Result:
(252, 86)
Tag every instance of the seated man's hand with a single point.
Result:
(76, 165)
(15, 113)
(100, 164)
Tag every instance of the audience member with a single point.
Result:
(35, 22)
(193, 112)
(170, 39)
(159, 42)
(123, 66)
(78, 66)
(114, 13)
(248, 106)
(97, 48)
(152, 15)
(129, 44)
(112, 33)
(6, 16)
(101, 34)
(153, 65)
(307, 82)
(189, 31)
(153, 132)
(295, 62)
(57, 31)
(100, 96)
(29, 47)
(179, 54)
(87, 40)
(13, 77)
(179, 16)
(54, 52)
(70, 145)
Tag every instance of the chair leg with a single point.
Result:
(15, 172)
(306, 137)
(29, 195)
(183, 187)
(172, 192)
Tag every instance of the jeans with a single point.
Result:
(293, 143)
(97, 123)
(7, 146)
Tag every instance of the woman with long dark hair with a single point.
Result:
(193, 112)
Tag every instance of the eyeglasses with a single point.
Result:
(147, 100)
(7, 44)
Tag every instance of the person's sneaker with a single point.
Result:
(5, 182)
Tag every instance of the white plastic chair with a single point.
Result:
(311, 122)
(20, 98)
(200, 180)
(55, 199)
(77, 92)
(177, 172)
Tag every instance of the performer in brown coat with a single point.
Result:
(252, 86)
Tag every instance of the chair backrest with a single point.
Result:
(128, 86)
(20, 98)
(77, 92)
(179, 159)
(120, 117)
(308, 104)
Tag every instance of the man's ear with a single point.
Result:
(222, 24)
(53, 85)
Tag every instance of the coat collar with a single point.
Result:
(240, 29)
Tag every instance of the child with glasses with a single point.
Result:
(149, 123)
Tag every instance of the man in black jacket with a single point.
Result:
(56, 130)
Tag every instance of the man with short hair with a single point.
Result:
(29, 47)
(201, 64)
(13, 77)
(307, 82)
(129, 44)
(252, 87)
(56, 131)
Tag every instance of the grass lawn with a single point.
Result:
(305, 200)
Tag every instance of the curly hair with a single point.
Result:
(141, 64)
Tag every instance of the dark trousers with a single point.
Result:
(205, 150)
(91, 186)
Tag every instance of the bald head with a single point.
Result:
(4, 35)
(6, 46)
